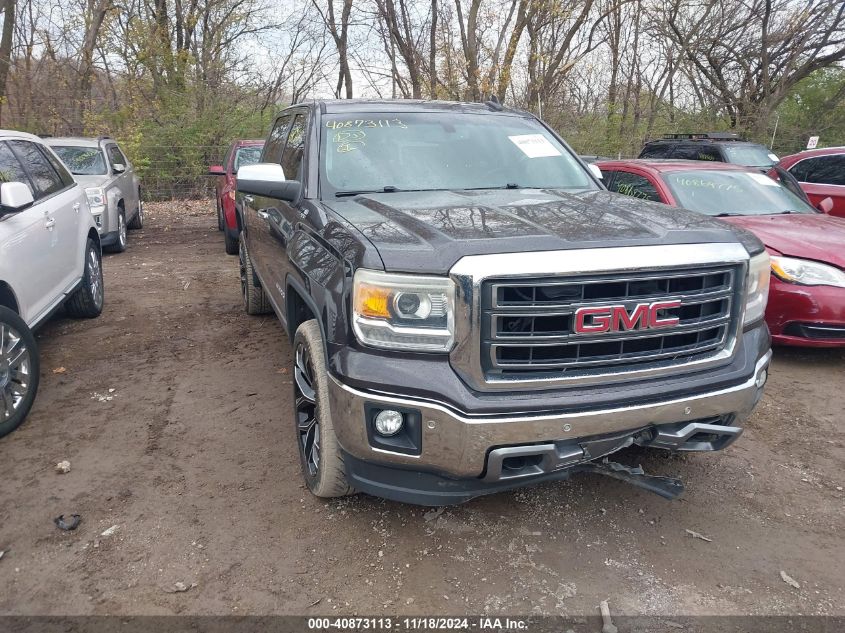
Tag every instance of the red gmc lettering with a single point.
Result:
(616, 318)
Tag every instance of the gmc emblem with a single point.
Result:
(644, 316)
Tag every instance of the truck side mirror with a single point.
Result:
(267, 180)
(118, 168)
(595, 170)
(216, 170)
(826, 205)
(15, 197)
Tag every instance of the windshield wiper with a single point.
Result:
(385, 189)
(726, 215)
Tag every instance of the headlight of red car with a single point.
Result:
(807, 272)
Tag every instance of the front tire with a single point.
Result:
(319, 451)
(87, 301)
(120, 245)
(19, 370)
(219, 215)
(231, 243)
(254, 298)
(138, 221)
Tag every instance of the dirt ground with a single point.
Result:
(173, 410)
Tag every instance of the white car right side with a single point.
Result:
(50, 256)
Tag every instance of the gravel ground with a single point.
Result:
(173, 409)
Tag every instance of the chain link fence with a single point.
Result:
(177, 172)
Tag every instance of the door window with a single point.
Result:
(276, 141)
(64, 174)
(634, 185)
(655, 151)
(821, 170)
(10, 167)
(294, 149)
(116, 157)
(44, 177)
(696, 152)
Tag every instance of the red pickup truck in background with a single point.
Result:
(241, 152)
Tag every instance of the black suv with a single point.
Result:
(471, 310)
(713, 146)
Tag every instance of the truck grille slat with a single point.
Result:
(528, 326)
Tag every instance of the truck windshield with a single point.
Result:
(247, 156)
(82, 161)
(435, 151)
(750, 155)
(732, 193)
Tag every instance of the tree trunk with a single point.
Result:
(6, 47)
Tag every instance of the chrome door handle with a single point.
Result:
(50, 223)
(263, 215)
(76, 207)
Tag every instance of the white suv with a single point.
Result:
(49, 257)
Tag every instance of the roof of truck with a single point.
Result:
(337, 106)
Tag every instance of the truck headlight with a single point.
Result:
(96, 197)
(757, 287)
(404, 312)
(807, 272)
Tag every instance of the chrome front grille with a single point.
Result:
(527, 324)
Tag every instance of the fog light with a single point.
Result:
(389, 422)
(762, 377)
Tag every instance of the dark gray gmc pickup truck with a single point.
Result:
(472, 311)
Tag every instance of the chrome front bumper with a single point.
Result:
(457, 444)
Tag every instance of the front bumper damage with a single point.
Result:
(460, 456)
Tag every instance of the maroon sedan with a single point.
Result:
(807, 294)
(821, 173)
(242, 152)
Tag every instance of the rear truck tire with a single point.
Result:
(319, 452)
(138, 221)
(254, 298)
(231, 243)
(87, 301)
(19, 370)
(220, 226)
(120, 245)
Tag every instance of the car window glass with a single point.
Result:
(83, 161)
(716, 192)
(276, 141)
(686, 152)
(443, 150)
(655, 151)
(44, 177)
(822, 170)
(64, 174)
(10, 167)
(635, 186)
(294, 148)
(228, 159)
(247, 156)
(116, 157)
(750, 155)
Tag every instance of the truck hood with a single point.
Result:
(809, 236)
(93, 181)
(430, 231)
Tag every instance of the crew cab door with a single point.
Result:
(283, 216)
(42, 240)
(257, 209)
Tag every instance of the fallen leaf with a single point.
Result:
(109, 531)
(59, 370)
(789, 580)
(695, 534)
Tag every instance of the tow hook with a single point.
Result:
(666, 487)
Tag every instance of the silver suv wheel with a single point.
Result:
(15, 371)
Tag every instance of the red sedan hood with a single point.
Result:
(817, 236)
